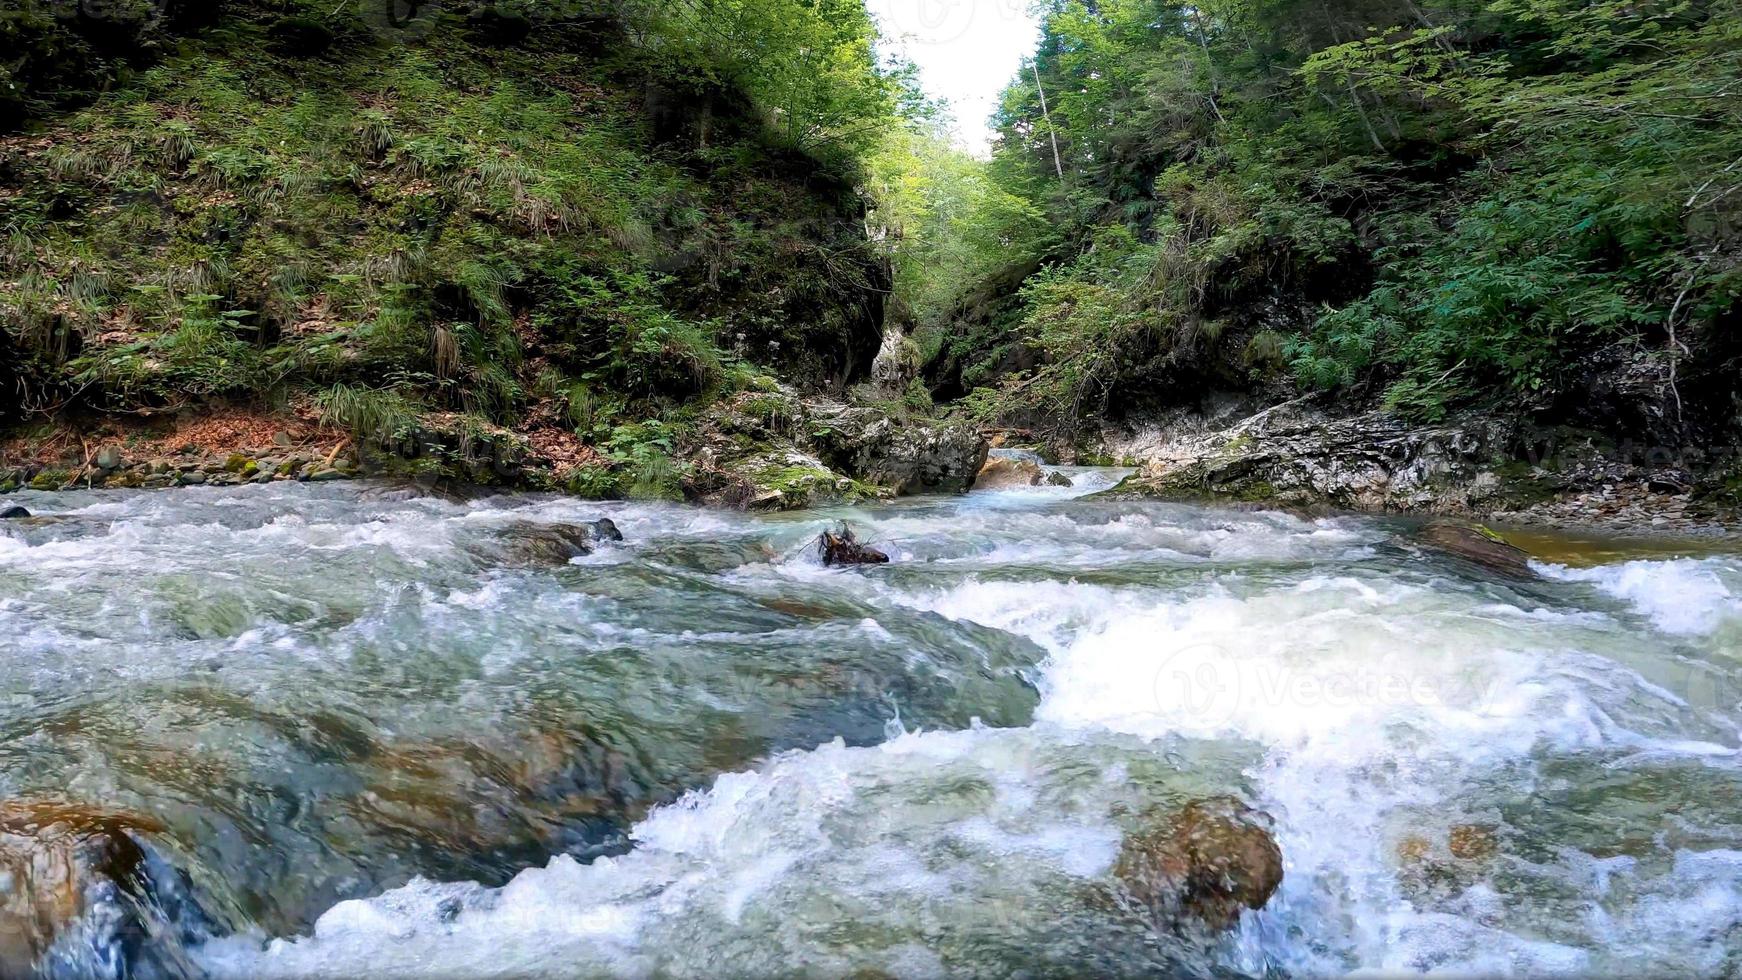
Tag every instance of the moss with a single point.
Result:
(50, 480)
(1523, 485)
(803, 486)
(1254, 491)
(130, 479)
(239, 462)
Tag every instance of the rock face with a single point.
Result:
(897, 362)
(911, 457)
(1476, 544)
(1208, 861)
(773, 450)
(840, 547)
(1478, 465)
(1293, 455)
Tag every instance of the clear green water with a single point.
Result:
(385, 742)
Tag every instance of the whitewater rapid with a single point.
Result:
(1032, 673)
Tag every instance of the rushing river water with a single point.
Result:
(381, 738)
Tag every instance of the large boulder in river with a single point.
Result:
(1003, 472)
(1292, 454)
(1207, 862)
(908, 456)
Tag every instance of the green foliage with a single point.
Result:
(1432, 202)
(461, 217)
(372, 415)
(810, 65)
(201, 355)
(644, 452)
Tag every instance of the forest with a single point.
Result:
(1528, 207)
(514, 213)
(635, 488)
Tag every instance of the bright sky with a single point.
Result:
(966, 50)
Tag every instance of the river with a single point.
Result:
(381, 735)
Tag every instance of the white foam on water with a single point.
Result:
(1685, 596)
(838, 859)
(1359, 694)
(1373, 696)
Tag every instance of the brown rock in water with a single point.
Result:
(842, 548)
(53, 856)
(1476, 544)
(1472, 841)
(526, 543)
(1001, 473)
(1208, 861)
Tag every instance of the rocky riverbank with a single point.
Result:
(1296, 455)
(758, 450)
(213, 449)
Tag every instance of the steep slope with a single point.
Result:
(1526, 211)
(453, 232)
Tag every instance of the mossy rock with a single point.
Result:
(129, 480)
(796, 487)
(237, 463)
(49, 480)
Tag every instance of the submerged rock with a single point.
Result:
(12, 513)
(1477, 544)
(534, 543)
(842, 548)
(1472, 841)
(58, 863)
(1208, 861)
